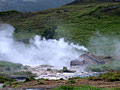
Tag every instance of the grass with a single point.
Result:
(113, 66)
(84, 87)
(6, 66)
(9, 69)
(4, 79)
(77, 25)
(72, 81)
(110, 76)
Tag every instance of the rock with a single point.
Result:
(67, 71)
(91, 59)
(75, 63)
(86, 59)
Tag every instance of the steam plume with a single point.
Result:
(52, 52)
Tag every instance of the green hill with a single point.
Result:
(76, 23)
(91, 1)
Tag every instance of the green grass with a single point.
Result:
(9, 64)
(84, 87)
(78, 25)
(9, 67)
(113, 66)
(110, 76)
(4, 79)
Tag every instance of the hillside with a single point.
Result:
(30, 5)
(90, 1)
(76, 23)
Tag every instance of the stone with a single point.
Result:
(86, 59)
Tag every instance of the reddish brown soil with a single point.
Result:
(49, 84)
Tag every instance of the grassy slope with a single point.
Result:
(77, 25)
(85, 87)
(9, 67)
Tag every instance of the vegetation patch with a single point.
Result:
(77, 25)
(113, 66)
(29, 79)
(4, 79)
(110, 76)
(84, 87)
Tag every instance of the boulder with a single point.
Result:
(75, 63)
(86, 59)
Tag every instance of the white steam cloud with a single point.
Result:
(52, 52)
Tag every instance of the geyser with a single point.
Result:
(38, 51)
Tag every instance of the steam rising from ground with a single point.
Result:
(52, 52)
(105, 45)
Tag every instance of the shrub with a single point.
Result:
(29, 79)
(41, 82)
(5, 13)
(65, 69)
(5, 79)
(71, 81)
(66, 88)
(49, 33)
(48, 69)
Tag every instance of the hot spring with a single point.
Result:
(39, 51)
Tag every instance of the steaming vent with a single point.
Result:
(39, 51)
